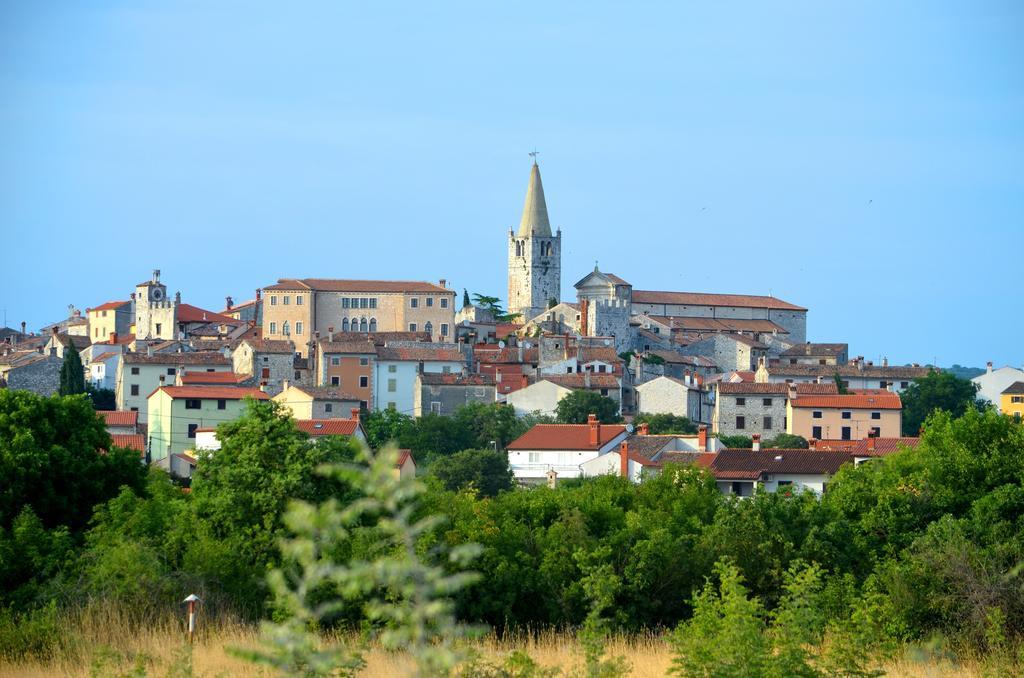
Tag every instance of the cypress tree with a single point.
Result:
(465, 298)
(72, 374)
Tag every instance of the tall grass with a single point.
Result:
(103, 640)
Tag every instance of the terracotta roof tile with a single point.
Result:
(849, 370)
(579, 381)
(327, 427)
(214, 392)
(862, 401)
(426, 353)
(702, 324)
(404, 454)
(365, 286)
(187, 313)
(883, 446)
(705, 299)
(565, 437)
(131, 441)
(211, 358)
(748, 464)
(119, 417)
(211, 378)
(354, 346)
(109, 306)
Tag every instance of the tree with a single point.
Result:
(72, 374)
(486, 425)
(936, 391)
(659, 424)
(486, 471)
(578, 405)
(492, 304)
(736, 442)
(102, 398)
(384, 426)
(52, 459)
(787, 441)
(840, 385)
(465, 298)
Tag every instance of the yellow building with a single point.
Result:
(111, 318)
(1011, 400)
(176, 412)
(317, 402)
(297, 309)
(851, 416)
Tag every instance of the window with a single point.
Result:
(741, 423)
(373, 302)
(766, 402)
(192, 430)
(875, 431)
(816, 414)
(363, 405)
(904, 384)
(265, 373)
(414, 302)
(1013, 399)
(883, 384)
(373, 324)
(298, 327)
(158, 326)
(876, 415)
(412, 327)
(821, 361)
(792, 361)
(335, 381)
(784, 483)
(364, 303)
(286, 327)
(429, 327)
(364, 382)
(430, 301)
(328, 407)
(273, 300)
(446, 370)
(298, 375)
(298, 300)
(435, 407)
(392, 385)
(135, 389)
(134, 409)
(444, 302)
(604, 391)
(846, 433)
(335, 360)
(363, 326)
(344, 325)
(222, 404)
(816, 432)
(392, 368)
(847, 415)
(444, 329)
(344, 302)
(364, 361)
(273, 328)
(286, 300)
(740, 402)
(534, 457)
(266, 359)
(767, 424)
(193, 404)
(170, 371)
(135, 370)
(392, 405)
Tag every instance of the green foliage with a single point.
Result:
(652, 359)
(465, 298)
(840, 385)
(485, 424)
(659, 424)
(736, 442)
(493, 304)
(786, 441)
(936, 391)
(51, 460)
(385, 426)
(72, 373)
(31, 557)
(578, 405)
(600, 586)
(102, 398)
(35, 633)
(485, 472)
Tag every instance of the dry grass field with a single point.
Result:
(112, 647)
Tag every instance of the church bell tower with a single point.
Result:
(534, 255)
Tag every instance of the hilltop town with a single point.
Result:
(736, 366)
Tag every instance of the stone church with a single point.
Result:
(534, 256)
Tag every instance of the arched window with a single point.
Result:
(429, 328)
(373, 324)
(286, 329)
(344, 324)
(362, 325)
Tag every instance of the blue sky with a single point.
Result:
(863, 160)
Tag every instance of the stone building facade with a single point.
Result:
(746, 408)
(155, 316)
(729, 351)
(534, 256)
(35, 372)
(444, 394)
(269, 362)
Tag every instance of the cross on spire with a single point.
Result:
(533, 154)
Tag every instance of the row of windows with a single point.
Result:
(428, 327)
(741, 402)
(286, 300)
(844, 433)
(364, 381)
(336, 360)
(197, 404)
(741, 423)
(817, 414)
(358, 325)
(359, 302)
(286, 328)
(414, 302)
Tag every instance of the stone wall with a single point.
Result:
(753, 410)
(41, 377)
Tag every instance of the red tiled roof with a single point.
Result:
(704, 299)
(505, 329)
(565, 437)
(702, 324)
(104, 356)
(324, 393)
(121, 339)
(270, 345)
(402, 456)
(850, 370)
(328, 285)
(425, 353)
(748, 464)
(327, 427)
(131, 441)
(119, 417)
(210, 358)
(355, 346)
(214, 392)
(508, 355)
(883, 446)
(187, 313)
(577, 380)
(742, 387)
(865, 401)
(109, 306)
(211, 378)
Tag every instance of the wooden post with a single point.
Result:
(192, 600)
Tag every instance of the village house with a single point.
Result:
(857, 374)
(510, 366)
(561, 448)
(684, 397)
(1011, 400)
(248, 312)
(398, 363)
(444, 394)
(321, 428)
(653, 364)
(873, 447)
(113, 317)
(102, 370)
(175, 413)
(139, 374)
(270, 362)
(992, 384)
(299, 309)
(316, 402)
(59, 341)
(745, 472)
(728, 351)
(348, 365)
(850, 416)
(744, 407)
(643, 454)
(36, 371)
(542, 396)
(815, 354)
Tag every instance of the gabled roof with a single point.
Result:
(187, 313)
(816, 350)
(565, 437)
(702, 324)
(535, 210)
(508, 355)
(270, 345)
(705, 299)
(109, 306)
(119, 417)
(322, 393)
(849, 370)
(213, 392)
(211, 358)
(211, 378)
(882, 446)
(404, 455)
(354, 346)
(451, 379)
(364, 286)
(131, 441)
(879, 400)
(754, 388)
(327, 427)
(425, 353)
(674, 357)
(578, 380)
(1016, 388)
(751, 465)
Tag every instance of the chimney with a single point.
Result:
(263, 386)
(162, 379)
(40, 350)
(584, 307)
(871, 442)
(284, 385)
(53, 350)
(586, 379)
(443, 281)
(702, 438)
(149, 350)
(643, 429)
(177, 300)
(520, 352)
(595, 429)
(113, 337)
(228, 303)
(259, 294)
(988, 365)
(624, 460)
(23, 336)
(355, 414)
(330, 333)
(812, 444)
(53, 330)
(885, 362)
(523, 380)
(755, 442)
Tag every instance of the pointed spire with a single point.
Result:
(535, 210)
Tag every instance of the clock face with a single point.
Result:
(156, 293)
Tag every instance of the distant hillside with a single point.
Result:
(964, 372)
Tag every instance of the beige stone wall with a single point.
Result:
(801, 422)
(297, 313)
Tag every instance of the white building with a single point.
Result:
(541, 398)
(745, 472)
(139, 374)
(561, 448)
(103, 370)
(994, 382)
(398, 363)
